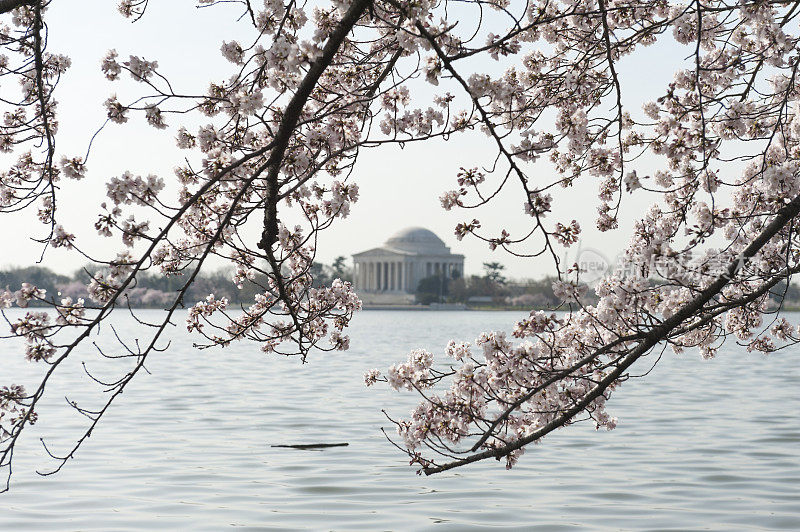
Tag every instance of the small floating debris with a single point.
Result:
(312, 445)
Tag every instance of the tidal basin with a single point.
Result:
(701, 445)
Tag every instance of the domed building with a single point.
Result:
(407, 257)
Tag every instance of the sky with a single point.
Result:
(398, 187)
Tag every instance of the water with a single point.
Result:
(701, 445)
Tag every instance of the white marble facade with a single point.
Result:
(407, 257)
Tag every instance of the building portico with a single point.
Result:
(407, 257)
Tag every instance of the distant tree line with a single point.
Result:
(490, 289)
(493, 289)
(156, 291)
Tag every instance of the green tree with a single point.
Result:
(321, 274)
(36, 275)
(433, 289)
(494, 272)
(341, 270)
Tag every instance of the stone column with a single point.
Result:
(403, 277)
(399, 276)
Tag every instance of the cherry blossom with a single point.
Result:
(277, 136)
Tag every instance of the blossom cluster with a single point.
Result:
(277, 136)
(671, 278)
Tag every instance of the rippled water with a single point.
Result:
(701, 445)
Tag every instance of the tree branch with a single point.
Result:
(657, 334)
(292, 114)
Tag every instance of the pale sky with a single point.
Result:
(398, 188)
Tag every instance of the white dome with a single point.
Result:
(417, 239)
